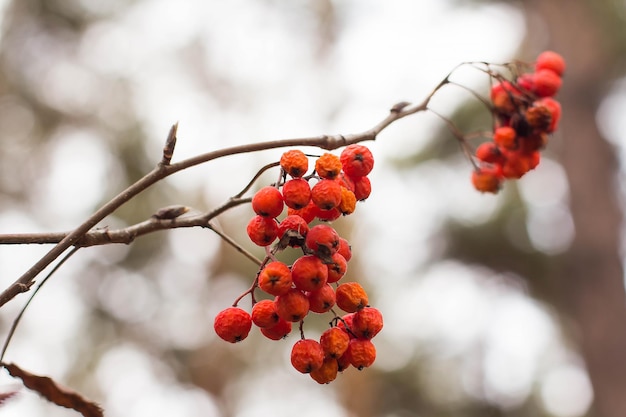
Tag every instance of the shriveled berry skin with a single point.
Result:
(322, 239)
(362, 188)
(361, 352)
(321, 300)
(275, 278)
(367, 323)
(334, 342)
(309, 273)
(297, 193)
(278, 331)
(264, 314)
(327, 372)
(328, 166)
(268, 202)
(293, 230)
(295, 163)
(326, 194)
(232, 324)
(307, 355)
(351, 297)
(262, 230)
(357, 160)
(293, 305)
(337, 268)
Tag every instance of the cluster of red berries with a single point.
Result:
(525, 113)
(311, 282)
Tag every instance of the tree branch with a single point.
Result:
(81, 235)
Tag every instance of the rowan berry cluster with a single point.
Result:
(311, 282)
(525, 114)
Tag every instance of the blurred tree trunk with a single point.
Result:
(590, 285)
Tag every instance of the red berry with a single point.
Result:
(552, 61)
(357, 160)
(294, 229)
(279, 331)
(322, 239)
(293, 305)
(367, 323)
(264, 314)
(505, 137)
(361, 352)
(487, 179)
(232, 324)
(297, 193)
(362, 188)
(309, 273)
(334, 342)
(308, 213)
(322, 300)
(307, 355)
(490, 153)
(344, 249)
(262, 230)
(326, 194)
(337, 268)
(547, 83)
(268, 202)
(275, 278)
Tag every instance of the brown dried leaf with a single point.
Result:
(55, 393)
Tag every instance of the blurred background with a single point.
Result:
(510, 305)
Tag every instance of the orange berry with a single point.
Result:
(268, 202)
(334, 342)
(348, 201)
(337, 268)
(505, 137)
(297, 193)
(275, 278)
(552, 61)
(546, 83)
(487, 179)
(489, 152)
(357, 160)
(309, 273)
(351, 297)
(343, 362)
(361, 352)
(262, 230)
(326, 194)
(232, 324)
(322, 240)
(307, 355)
(322, 300)
(344, 249)
(292, 230)
(367, 323)
(279, 331)
(295, 163)
(327, 372)
(362, 188)
(264, 314)
(328, 166)
(292, 305)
